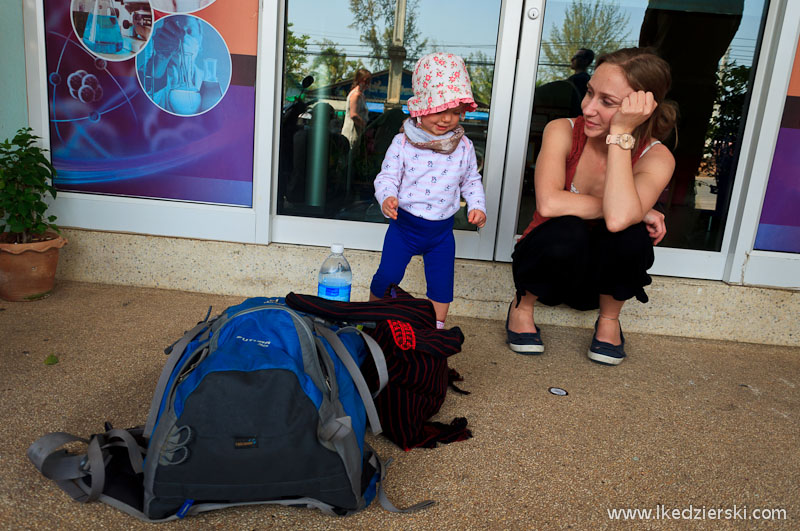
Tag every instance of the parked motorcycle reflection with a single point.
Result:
(313, 158)
(291, 123)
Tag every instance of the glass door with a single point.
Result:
(326, 161)
(713, 78)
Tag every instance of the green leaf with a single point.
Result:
(26, 176)
(52, 359)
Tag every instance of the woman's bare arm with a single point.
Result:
(354, 95)
(551, 173)
(628, 193)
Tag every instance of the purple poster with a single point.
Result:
(153, 98)
(779, 226)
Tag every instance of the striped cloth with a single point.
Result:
(416, 358)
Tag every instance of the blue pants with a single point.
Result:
(409, 236)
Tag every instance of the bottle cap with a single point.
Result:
(337, 248)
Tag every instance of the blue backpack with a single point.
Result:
(262, 404)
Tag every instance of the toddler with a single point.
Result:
(428, 167)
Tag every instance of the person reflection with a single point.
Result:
(356, 113)
(580, 62)
(712, 25)
(319, 162)
(561, 98)
(356, 116)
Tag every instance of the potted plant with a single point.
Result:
(29, 241)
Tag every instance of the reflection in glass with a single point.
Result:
(712, 74)
(325, 173)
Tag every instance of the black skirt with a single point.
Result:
(568, 260)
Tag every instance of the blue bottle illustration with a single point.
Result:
(102, 33)
(210, 91)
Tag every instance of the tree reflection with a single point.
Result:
(296, 56)
(331, 65)
(374, 19)
(601, 27)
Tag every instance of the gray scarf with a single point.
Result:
(422, 139)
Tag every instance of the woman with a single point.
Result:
(597, 179)
(356, 113)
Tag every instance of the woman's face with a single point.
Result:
(441, 122)
(604, 95)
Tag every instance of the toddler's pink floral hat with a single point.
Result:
(440, 82)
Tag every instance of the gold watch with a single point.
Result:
(625, 141)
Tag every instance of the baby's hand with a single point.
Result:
(389, 207)
(477, 217)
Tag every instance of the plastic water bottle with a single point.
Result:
(335, 276)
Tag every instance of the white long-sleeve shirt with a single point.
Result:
(428, 184)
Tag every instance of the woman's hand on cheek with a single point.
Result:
(634, 110)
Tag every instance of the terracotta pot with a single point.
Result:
(28, 270)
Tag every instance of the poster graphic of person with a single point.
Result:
(186, 67)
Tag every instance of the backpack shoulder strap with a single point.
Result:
(70, 470)
(175, 352)
(381, 467)
(355, 374)
(377, 356)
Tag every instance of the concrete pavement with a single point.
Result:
(682, 424)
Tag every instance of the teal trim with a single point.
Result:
(14, 101)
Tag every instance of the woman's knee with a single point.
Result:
(631, 247)
(632, 241)
(564, 240)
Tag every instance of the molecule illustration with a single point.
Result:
(84, 87)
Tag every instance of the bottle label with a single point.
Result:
(341, 293)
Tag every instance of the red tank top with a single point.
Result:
(578, 143)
